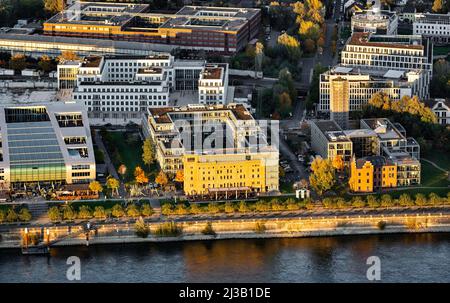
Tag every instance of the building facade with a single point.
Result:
(433, 26)
(45, 145)
(328, 140)
(441, 108)
(220, 148)
(370, 174)
(217, 29)
(380, 22)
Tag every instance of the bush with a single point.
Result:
(208, 230)
(168, 229)
(11, 215)
(434, 199)
(386, 201)
(341, 203)
(229, 208)
(85, 212)
(142, 229)
(421, 200)
(328, 203)
(133, 211)
(181, 209)
(195, 209)
(358, 202)
(277, 205)
(292, 205)
(166, 209)
(372, 202)
(117, 211)
(381, 225)
(54, 214)
(24, 215)
(213, 208)
(146, 210)
(68, 213)
(100, 213)
(405, 200)
(262, 206)
(260, 227)
(2, 216)
(243, 207)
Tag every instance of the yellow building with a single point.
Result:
(372, 173)
(226, 175)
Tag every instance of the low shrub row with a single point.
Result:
(11, 214)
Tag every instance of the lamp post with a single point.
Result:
(48, 236)
(26, 237)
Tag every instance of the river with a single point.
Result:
(404, 258)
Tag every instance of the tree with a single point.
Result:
(67, 56)
(438, 6)
(54, 6)
(46, 63)
(292, 46)
(54, 214)
(243, 207)
(24, 215)
(373, 202)
(146, 210)
(162, 179)
(18, 62)
(309, 30)
(179, 177)
(405, 200)
(142, 229)
(213, 208)
(11, 215)
(323, 175)
(338, 163)
(2, 216)
(195, 209)
(113, 184)
(434, 199)
(68, 213)
(95, 186)
(310, 45)
(133, 211)
(358, 202)
(122, 170)
(148, 151)
(117, 211)
(421, 200)
(229, 208)
(100, 213)
(386, 201)
(85, 212)
(140, 176)
(259, 56)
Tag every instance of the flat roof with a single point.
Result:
(366, 39)
(331, 130)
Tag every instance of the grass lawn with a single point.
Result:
(129, 152)
(431, 176)
(440, 158)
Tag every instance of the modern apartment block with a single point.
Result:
(118, 89)
(217, 29)
(46, 145)
(375, 137)
(329, 140)
(397, 52)
(380, 22)
(345, 88)
(433, 26)
(373, 173)
(221, 149)
(441, 108)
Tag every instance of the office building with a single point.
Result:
(436, 27)
(380, 22)
(221, 149)
(328, 140)
(217, 29)
(46, 145)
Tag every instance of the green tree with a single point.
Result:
(405, 200)
(291, 45)
(229, 208)
(322, 178)
(84, 212)
(146, 210)
(54, 6)
(373, 202)
(243, 207)
(18, 62)
(213, 208)
(11, 215)
(100, 213)
(24, 215)
(117, 211)
(113, 184)
(434, 199)
(195, 209)
(421, 200)
(148, 151)
(133, 211)
(54, 214)
(68, 213)
(386, 201)
(358, 202)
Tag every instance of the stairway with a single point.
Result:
(38, 211)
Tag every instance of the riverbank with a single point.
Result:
(297, 227)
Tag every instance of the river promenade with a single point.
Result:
(270, 225)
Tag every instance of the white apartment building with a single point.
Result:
(381, 22)
(344, 89)
(399, 52)
(441, 108)
(213, 84)
(433, 26)
(45, 145)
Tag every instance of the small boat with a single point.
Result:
(35, 250)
